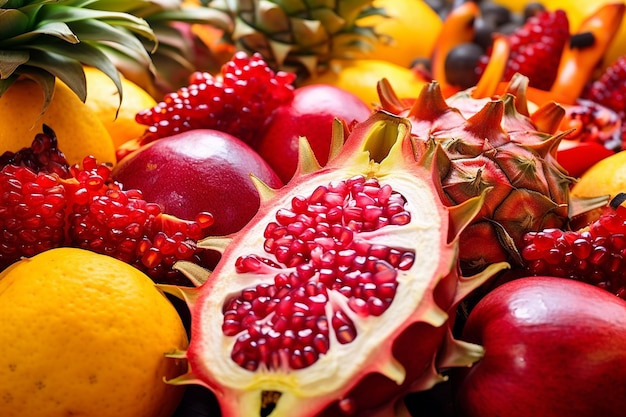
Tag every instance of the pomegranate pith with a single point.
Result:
(339, 293)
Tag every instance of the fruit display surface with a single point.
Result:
(331, 208)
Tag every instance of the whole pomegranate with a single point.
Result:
(553, 347)
(199, 170)
(310, 114)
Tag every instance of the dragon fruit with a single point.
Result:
(494, 145)
(339, 296)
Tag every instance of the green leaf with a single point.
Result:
(148, 34)
(45, 80)
(86, 53)
(12, 23)
(121, 52)
(55, 29)
(201, 15)
(10, 61)
(95, 30)
(142, 74)
(139, 8)
(60, 13)
(68, 70)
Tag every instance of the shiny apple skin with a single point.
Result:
(199, 170)
(554, 347)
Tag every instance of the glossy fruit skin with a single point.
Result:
(553, 347)
(577, 157)
(397, 43)
(311, 114)
(199, 170)
(78, 128)
(96, 331)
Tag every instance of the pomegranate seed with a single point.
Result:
(317, 239)
(238, 101)
(594, 254)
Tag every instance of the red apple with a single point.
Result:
(199, 170)
(554, 347)
(311, 114)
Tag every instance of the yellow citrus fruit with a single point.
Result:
(409, 31)
(360, 77)
(83, 334)
(103, 99)
(79, 131)
(606, 177)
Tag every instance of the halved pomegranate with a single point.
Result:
(337, 297)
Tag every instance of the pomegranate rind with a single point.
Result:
(380, 147)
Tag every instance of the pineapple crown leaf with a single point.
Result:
(118, 20)
(95, 32)
(10, 61)
(65, 68)
(201, 15)
(48, 39)
(45, 80)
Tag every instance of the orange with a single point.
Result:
(79, 131)
(103, 99)
(83, 334)
(606, 177)
(360, 77)
(409, 31)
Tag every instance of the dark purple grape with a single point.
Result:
(461, 64)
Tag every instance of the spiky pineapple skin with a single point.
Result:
(299, 36)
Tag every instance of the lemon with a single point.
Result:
(606, 177)
(79, 131)
(83, 334)
(409, 31)
(360, 77)
(103, 99)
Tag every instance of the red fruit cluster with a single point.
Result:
(238, 101)
(594, 122)
(536, 48)
(595, 254)
(40, 210)
(610, 91)
(315, 244)
(43, 155)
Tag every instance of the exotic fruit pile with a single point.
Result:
(358, 208)
(339, 295)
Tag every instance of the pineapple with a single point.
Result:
(300, 36)
(179, 53)
(47, 40)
